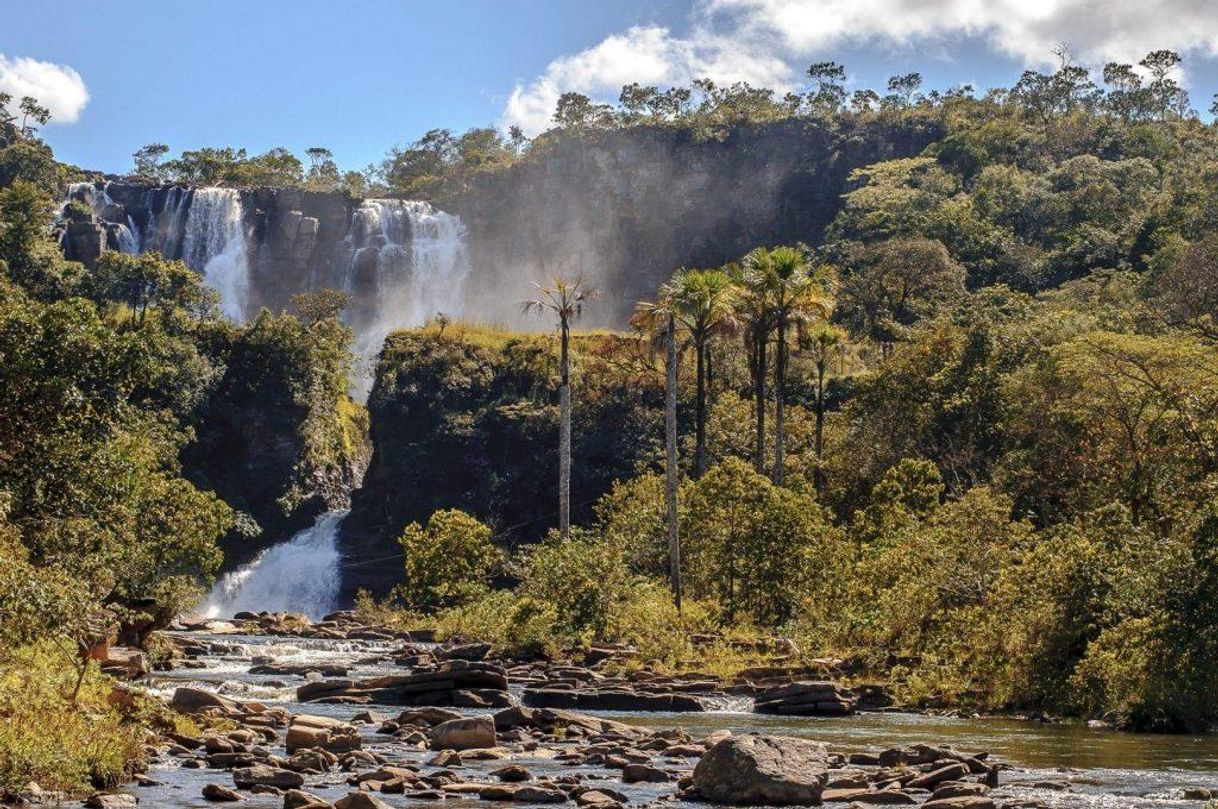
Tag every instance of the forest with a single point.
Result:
(967, 444)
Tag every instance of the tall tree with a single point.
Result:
(796, 292)
(565, 299)
(753, 312)
(702, 301)
(823, 344)
(659, 317)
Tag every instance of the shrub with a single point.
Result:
(447, 563)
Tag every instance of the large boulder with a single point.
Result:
(307, 731)
(266, 776)
(754, 769)
(464, 734)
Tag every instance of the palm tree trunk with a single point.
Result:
(700, 411)
(670, 457)
(820, 426)
(564, 439)
(780, 383)
(759, 349)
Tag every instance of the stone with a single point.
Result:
(960, 802)
(360, 800)
(464, 734)
(531, 793)
(112, 800)
(818, 698)
(467, 651)
(308, 731)
(634, 773)
(298, 799)
(611, 699)
(221, 794)
(948, 772)
(196, 700)
(597, 800)
(247, 777)
(760, 769)
(426, 716)
(512, 773)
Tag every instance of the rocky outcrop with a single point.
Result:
(611, 699)
(757, 770)
(457, 682)
(464, 733)
(332, 735)
(805, 699)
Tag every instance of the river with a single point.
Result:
(1055, 765)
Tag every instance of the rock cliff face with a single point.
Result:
(632, 206)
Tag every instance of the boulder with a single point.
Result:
(634, 773)
(767, 770)
(307, 731)
(960, 802)
(611, 699)
(360, 800)
(220, 794)
(112, 800)
(196, 700)
(464, 734)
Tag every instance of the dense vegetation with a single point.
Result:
(115, 385)
(983, 466)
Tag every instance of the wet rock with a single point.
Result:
(307, 731)
(960, 802)
(426, 716)
(821, 698)
(767, 770)
(498, 792)
(634, 773)
(512, 773)
(537, 793)
(221, 794)
(111, 800)
(300, 669)
(948, 772)
(247, 777)
(464, 734)
(442, 685)
(298, 799)
(611, 699)
(360, 800)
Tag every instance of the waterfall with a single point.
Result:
(123, 232)
(409, 261)
(214, 245)
(300, 575)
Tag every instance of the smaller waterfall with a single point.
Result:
(214, 244)
(300, 575)
(124, 233)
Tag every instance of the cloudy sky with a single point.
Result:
(361, 75)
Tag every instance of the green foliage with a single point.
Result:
(54, 740)
(448, 563)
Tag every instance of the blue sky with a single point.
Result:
(360, 76)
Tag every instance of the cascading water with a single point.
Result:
(411, 260)
(214, 244)
(300, 575)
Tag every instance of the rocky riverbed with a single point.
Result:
(317, 715)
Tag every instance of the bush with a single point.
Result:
(448, 563)
(50, 740)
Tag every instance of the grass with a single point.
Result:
(61, 745)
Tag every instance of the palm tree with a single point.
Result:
(659, 317)
(565, 300)
(702, 301)
(796, 292)
(753, 313)
(822, 344)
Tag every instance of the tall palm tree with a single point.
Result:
(753, 313)
(823, 344)
(565, 299)
(703, 304)
(796, 292)
(659, 318)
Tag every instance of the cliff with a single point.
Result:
(627, 207)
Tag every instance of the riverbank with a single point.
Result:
(253, 684)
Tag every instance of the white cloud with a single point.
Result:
(59, 88)
(769, 42)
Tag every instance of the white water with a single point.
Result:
(300, 575)
(421, 267)
(214, 244)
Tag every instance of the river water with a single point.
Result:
(1055, 765)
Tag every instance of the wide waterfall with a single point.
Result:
(300, 575)
(401, 261)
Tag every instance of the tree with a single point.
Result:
(795, 292)
(823, 344)
(32, 113)
(702, 301)
(577, 113)
(1168, 97)
(565, 300)
(754, 313)
(662, 317)
(905, 87)
(448, 563)
(891, 284)
(829, 92)
(148, 159)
